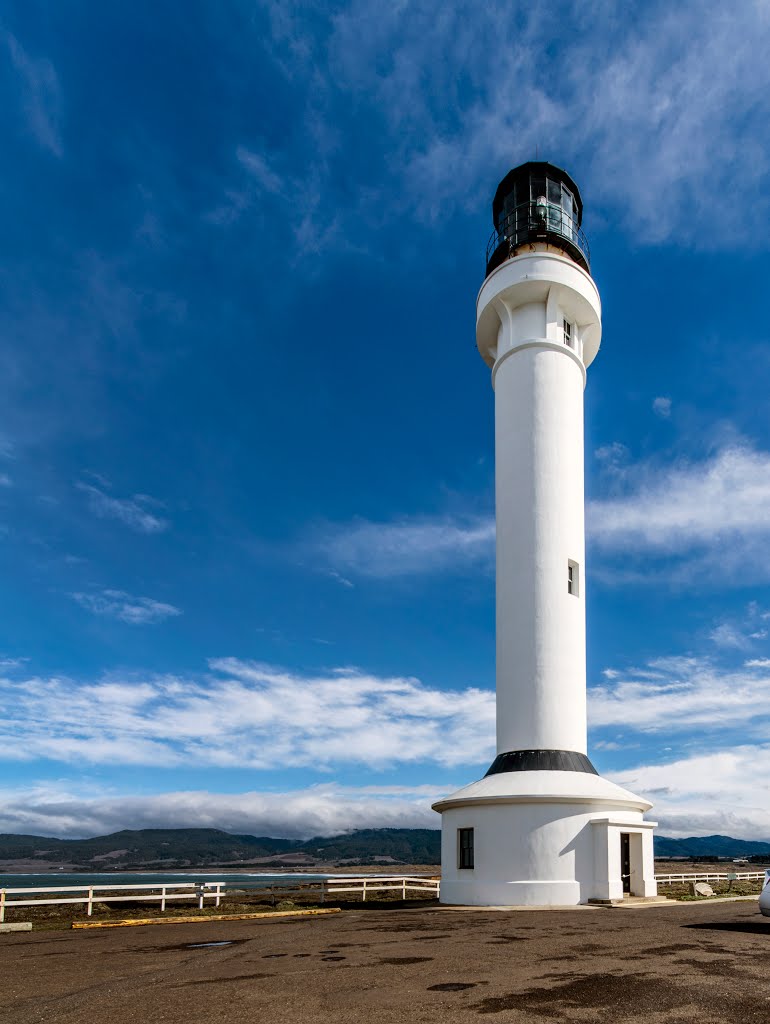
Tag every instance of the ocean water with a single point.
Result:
(251, 880)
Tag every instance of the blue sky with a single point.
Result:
(246, 463)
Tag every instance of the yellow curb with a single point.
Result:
(201, 920)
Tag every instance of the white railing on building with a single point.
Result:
(90, 894)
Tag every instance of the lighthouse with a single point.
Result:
(542, 828)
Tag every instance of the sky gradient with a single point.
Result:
(246, 440)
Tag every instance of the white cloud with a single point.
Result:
(321, 810)
(117, 604)
(694, 694)
(662, 407)
(248, 715)
(133, 512)
(41, 94)
(708, 520)
(723, 792)
(5, 480)
(688, 503)
(726, 634)
(407, 547)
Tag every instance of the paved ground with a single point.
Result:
(672, 965)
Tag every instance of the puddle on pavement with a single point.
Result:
(398, 961)
(208, 945)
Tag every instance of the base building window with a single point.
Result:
(465, 847)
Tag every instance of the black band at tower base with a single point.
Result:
(541, 760)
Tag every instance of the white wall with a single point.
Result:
(541, 656)
(539, 854)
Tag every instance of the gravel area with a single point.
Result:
(673, 964)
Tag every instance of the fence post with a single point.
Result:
(2, 905)
(163, 899)
(219, 894)
(403, 888)
(200, 897)
(90, 901)
(363, 898)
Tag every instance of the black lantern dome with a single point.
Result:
(537, 202)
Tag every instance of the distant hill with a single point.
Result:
(208, 847)
(199, 847)
(145, 846)
(710, 846)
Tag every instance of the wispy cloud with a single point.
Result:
(40, 94)
(406, 547)
(247, 715)
(259, 170)
(134, 512)
(699, 695)
(654, 97)
(661, 406)
(116, 604)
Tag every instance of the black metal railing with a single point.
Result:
(537, 222)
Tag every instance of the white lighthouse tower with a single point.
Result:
(542, 827)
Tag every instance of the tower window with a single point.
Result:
(573, 578)
(465, 847)
(568, 333)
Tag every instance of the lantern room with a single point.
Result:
(537, 204)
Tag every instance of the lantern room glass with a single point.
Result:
(537, 202)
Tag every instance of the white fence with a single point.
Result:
(369, 884)
(709, 876)
(90, 894)
(327, 888)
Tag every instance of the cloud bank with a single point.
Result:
(322, 810)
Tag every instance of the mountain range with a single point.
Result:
(197, 847)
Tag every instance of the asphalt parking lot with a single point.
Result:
(669, 965)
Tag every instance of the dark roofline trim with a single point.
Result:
(541, 760)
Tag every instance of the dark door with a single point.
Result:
(625, 861)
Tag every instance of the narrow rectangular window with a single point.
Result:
(573, 578)
(567, 328)
(465, 847)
